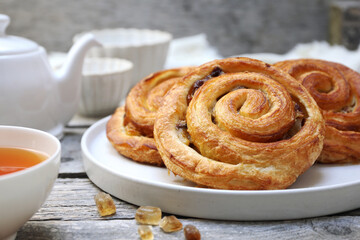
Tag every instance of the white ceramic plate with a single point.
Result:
(322, 190)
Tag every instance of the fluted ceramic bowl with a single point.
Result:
(105, 83)
(146, 49)
(22, 193)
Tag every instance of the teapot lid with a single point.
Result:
(10, 45)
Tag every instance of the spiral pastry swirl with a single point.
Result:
(239, 123)
(336, 89)
(130, 128)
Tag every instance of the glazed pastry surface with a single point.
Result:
(336, 89)
(130, 128)
(239, 123)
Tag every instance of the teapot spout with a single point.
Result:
(69, 77)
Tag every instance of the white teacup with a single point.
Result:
(22, 193)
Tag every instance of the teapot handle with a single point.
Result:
(4, 22)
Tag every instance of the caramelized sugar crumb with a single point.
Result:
(191, 232)
(170, 224)
(145, 232)
(105, 204)
(148, 215)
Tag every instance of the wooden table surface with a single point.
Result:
(70, 213)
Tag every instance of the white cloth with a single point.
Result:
(190, 51)
(319, 50)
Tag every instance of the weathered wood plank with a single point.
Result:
(73, 199)
(317, 228)
(71, 159)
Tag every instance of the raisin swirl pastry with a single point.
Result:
(239, 123)
(336, 89)
(130, 128)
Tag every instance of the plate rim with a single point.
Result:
(97, 124)
(235, 205)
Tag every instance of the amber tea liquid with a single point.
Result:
(16, 159)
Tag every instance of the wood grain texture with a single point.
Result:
(70, 213)
(73, 200)
(71, 159)
(320, 228)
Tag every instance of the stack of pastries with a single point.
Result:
(240, 123)
(131, 127)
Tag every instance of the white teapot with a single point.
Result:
(31, 94)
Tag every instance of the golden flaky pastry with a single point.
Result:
(239, 123)
(130, 128)
(336, 89)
